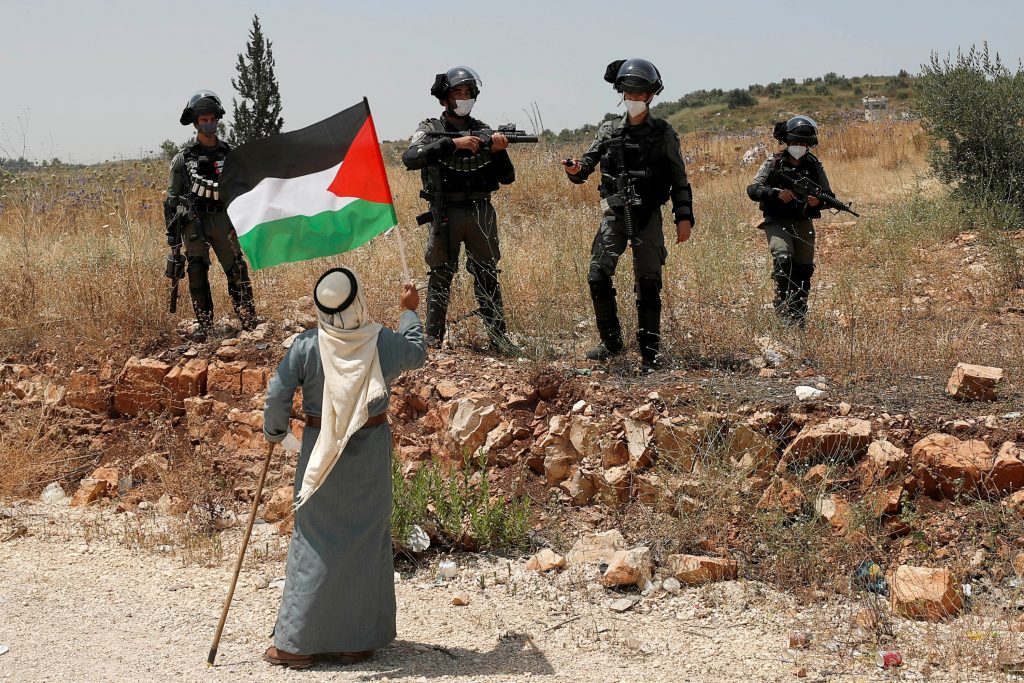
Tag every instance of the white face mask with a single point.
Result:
(463, 107)
(635, 107)
(796, 151)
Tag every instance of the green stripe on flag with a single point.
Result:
(298, 238)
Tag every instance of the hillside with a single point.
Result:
(756, 105)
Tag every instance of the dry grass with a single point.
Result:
(81, 260)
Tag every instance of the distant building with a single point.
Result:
(875, 108)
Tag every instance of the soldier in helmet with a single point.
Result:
(788, 224)
(458, 177)
(641, 152)
(194, 191)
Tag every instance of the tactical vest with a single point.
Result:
(463, 172)
(809, 167)
(202, 169)
(644, 155)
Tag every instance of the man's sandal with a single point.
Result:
(282, 658)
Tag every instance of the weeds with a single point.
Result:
(455, 506)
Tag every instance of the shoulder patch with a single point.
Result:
(417, 136)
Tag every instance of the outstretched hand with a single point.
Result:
(410, 298)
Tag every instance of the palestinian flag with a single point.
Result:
(318, 191)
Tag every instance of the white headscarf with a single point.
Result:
(352, 374)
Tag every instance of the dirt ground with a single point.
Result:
(89, 596)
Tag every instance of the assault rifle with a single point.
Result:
(175, 268)
(436, 213)
(486, 135)
(624, 182)
(804, 188)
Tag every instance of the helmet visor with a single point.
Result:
(463, 75)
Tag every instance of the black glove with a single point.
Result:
(172, 239)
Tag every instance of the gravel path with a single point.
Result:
(79, 603)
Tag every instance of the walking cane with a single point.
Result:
(241, 556)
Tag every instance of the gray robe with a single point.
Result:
(339, 591)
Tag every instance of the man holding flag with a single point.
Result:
(316, 192)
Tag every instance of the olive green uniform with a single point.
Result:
(651, 155)
(458, 184)
(211, 228)
(789, 230)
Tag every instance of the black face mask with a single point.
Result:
(209, 128)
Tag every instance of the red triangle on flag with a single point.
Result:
(362, 172)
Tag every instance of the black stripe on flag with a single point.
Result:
(294, 154)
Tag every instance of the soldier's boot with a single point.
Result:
(606, 317)
(439, 288)
(240, 290)
(487, 289)
(198, 270)
(785, 287)
(802, 274)
(648, 323)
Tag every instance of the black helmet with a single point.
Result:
(634, 75)
(202, 102)
(800, 129)
(457, 75)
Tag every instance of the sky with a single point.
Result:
(87, 81)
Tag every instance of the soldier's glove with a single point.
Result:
(172, 239)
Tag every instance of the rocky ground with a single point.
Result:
(733, 479)
(91, 595)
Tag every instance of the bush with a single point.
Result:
(456, 508)
(972, 106)
(739, 98)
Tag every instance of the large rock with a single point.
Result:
(225, 377)
(596, 548)
(629, 568)
(676, 444)
(149, 467)
(782, 495)
(638, 441)
(546, 560)
(839, 438)
(751, 450)
(614, 485)
(693, 570)
(254, 380)
(651, 490)
(469, 421)
(580, 486)
(559, 458)
(885, 462)
(184, 382)
(89, 491)
(1007, 473)
(884, 500)
(86, 392)
(974, 382)
(280, 505)
(836, 510)
(140, 388)
(111, 475)
(946, 467)
(923, 593)
(585, 435)
(500, 437)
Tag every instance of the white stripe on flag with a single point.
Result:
(276, 198)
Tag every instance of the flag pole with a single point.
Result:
(401, 255)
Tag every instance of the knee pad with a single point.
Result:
(198, 266)
(782, 265)
(600, 283)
